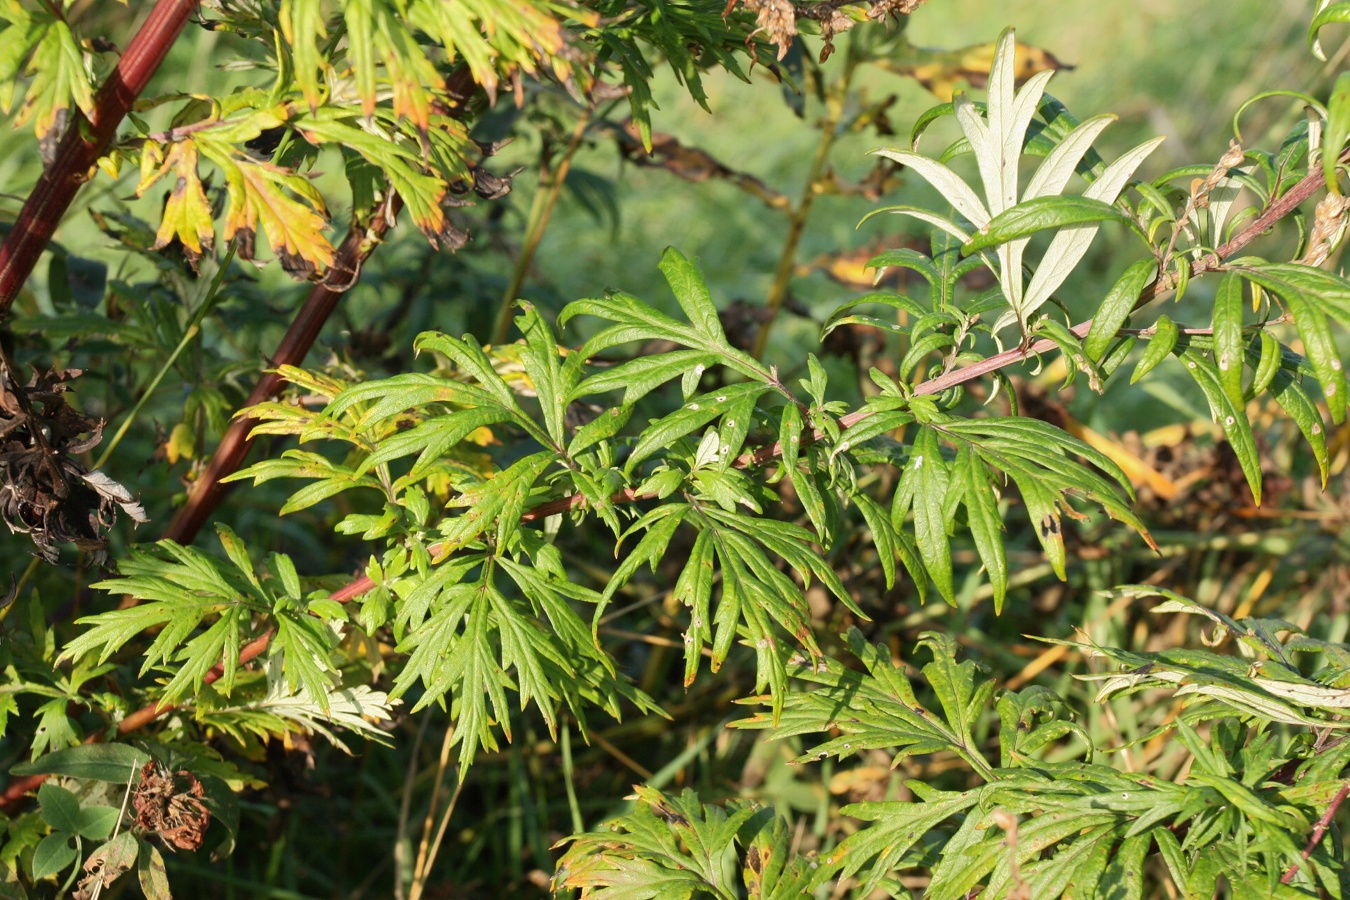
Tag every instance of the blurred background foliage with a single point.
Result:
(327, 825)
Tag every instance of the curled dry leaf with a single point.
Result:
(777, 19)
(45, 492)
(105, 865)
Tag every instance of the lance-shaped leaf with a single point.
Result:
(1116, 308)
(1071, 244)
(923, 488)
(950, 185)
(1160, 346)
(986, 526)
(1313, 296)
(1228, 353)
(303, 28)
(691, 290)
(1299, 406)
(1039, 214)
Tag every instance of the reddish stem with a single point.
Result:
(83, 143)
(207, 491)
(1319, 830)
(1282, 207)
(16, 791)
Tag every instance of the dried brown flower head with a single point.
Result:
(45, 492)
(169, 804)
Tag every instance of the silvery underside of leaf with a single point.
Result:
(996, 139)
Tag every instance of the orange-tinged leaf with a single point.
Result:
(187, 214)
(412, 76)
(941, 71)
(57, 67)
(360, 21)
(263, 196)
(302, 25)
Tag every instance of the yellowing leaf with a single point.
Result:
(16, 42)
(264, 196)
(942, 71)
(59, 76)
(187, 215)
(181, 443)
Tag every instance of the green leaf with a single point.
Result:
(1232, 418)
(926, 480)
(689, 418)
(543, 365)
(1039, 214)
(1272, 354)
(1299, 406)
(303, 29)
(638, 377)
(97, 822)
(1116, 308)
(431, 440)
(60, 808)
(1336, 131)
(1228, 351)
(672, 847)
(693, 589)
(470, 358)
(660, 525)
(1312, 296)
(496, 504)
(113, 763)
(691, 290)
(603, 427)
(1160, 346)
(986, 525)
(52, 855)
(884, 537)
(1332, 13)
(843, 315)
(897, 828)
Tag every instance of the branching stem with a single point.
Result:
(1320, 829)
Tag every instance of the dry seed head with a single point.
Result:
(1328, 227)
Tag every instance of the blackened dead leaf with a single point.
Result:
(490, 186)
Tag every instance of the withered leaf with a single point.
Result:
(45, 492)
